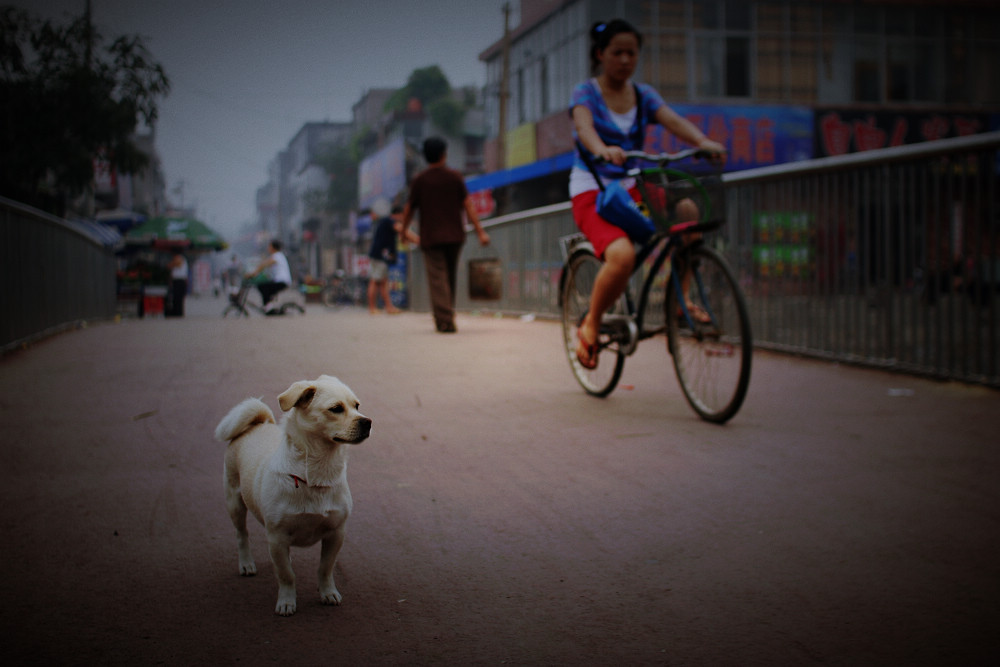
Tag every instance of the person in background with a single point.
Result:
(279, 276)
(384, 254)
(438, 193)
(610, 116)
(178, 286)
(233, 275)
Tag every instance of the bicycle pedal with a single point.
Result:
(624, 332)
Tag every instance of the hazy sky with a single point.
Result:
(246, 74)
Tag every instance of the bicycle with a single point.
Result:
(342, 290)
(704, 312)
(240, 304)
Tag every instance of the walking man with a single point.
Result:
(439, 195)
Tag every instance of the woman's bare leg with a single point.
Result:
(610, 283)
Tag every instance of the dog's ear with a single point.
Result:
(298, 395)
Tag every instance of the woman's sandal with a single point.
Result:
(590, 362)
(698, 314)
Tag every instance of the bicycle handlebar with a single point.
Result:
(660, 159)
(664, 158)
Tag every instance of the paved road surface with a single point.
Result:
(501, 515)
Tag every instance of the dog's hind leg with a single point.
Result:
(282, 560)
(328, 593)
(238, 513)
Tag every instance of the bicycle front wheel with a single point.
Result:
(708, 333)
(578, 283)
(235, 310)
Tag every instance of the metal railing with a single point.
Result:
(888, 258)
(55, 275)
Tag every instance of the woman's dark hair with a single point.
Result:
(601, 34)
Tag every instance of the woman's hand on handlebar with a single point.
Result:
(613, 154)
(716, 152)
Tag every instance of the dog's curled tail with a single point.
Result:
(242, 418)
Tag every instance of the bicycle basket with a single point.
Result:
(663, 190)
(616, 205)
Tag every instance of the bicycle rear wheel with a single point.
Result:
(292, 308)
(708, 333)
(578, 283)
(331, 296)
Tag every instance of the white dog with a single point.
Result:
(293, 477)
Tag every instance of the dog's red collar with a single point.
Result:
(297, 479)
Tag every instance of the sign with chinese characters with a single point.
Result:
(754, 136)
(484, 202)
(841, 131)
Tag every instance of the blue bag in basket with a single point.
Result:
(616, 205)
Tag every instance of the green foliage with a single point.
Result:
(426, 84)
(67, 98)
(447, 114)
(341, 166)
(430, 86)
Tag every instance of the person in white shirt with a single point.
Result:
(279, 276)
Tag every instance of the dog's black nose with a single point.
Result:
(365, 427)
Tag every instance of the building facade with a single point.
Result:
(290, 206)
(776, 80)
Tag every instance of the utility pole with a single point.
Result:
(504, 90)
(88, 55)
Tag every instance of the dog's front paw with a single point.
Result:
(286, 605)
(248, 567)
(330, 595)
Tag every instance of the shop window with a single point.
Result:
(723, 47)
(867, 77)
(738, 14)
(898, 73)
(866, 81)
(544, 85)
(737, 67)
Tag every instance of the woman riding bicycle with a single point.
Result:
(610, 114)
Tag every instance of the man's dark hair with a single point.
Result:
(434, 149)
(276, 244)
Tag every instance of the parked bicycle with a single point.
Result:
(689, 293)
(342, 290)
(240, 302)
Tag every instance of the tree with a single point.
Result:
(430, 86)
(426, 84)
(341, 167)
(67, 100)
(447, 114)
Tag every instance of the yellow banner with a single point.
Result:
(520, 146)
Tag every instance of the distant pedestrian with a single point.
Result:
(439, 196)
(233, 275)
(384, 254)
(178, 286)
